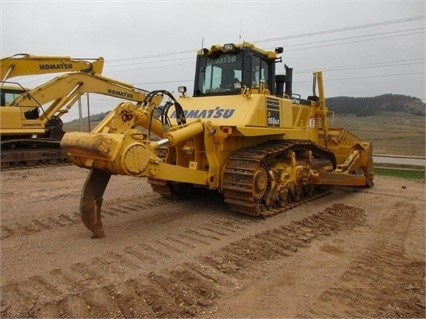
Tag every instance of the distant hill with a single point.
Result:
(359, 106)
(365, 106)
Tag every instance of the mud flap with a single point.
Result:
(91, 201)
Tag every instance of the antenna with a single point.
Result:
(241, 29)
(202, 43)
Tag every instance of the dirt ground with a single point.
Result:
(353, 253)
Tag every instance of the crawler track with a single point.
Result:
(243, 170)
(25, 153)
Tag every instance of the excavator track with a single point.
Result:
(245, 178)
(31, 152)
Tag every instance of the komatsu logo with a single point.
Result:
(56, 66)
(215, 113)
(222, 60)
(120, 94)
(31, 125)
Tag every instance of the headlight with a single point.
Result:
(229, 47)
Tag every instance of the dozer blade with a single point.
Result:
(91, 200)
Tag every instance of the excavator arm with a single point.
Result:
(27, 64)
(65, 90)
(56, 97)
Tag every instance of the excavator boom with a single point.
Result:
(56, 97)
(27, 64)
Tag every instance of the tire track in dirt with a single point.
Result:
(124, 206)
(382, 282)
(160, 278)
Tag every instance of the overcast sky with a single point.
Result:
(365, 48)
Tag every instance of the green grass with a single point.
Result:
(418, 174)
(391, 133)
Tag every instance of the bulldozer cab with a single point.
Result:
(225, 70)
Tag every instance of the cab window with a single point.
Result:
(8, 96)
(259, 72)
(221, 75)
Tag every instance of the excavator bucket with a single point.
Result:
(91, 201)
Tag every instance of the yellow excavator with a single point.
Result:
(31, 125)
(243, 133)
(16, 133)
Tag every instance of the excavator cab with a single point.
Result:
(8, 94)
(225, 70)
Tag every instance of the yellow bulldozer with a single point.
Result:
(243, 133)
